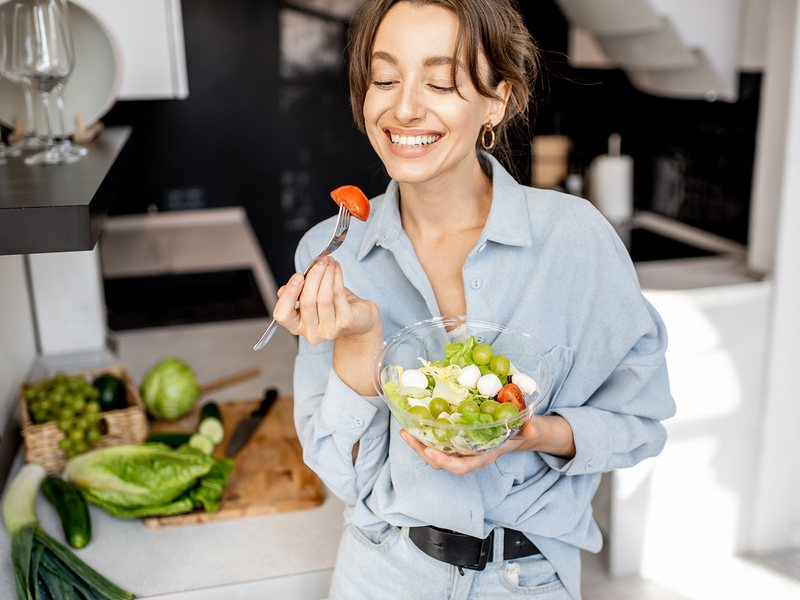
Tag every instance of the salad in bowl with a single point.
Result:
(462, 385)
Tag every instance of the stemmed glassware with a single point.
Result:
(41, 57)
(65, 145)
(5, 151)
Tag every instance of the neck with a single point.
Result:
(449, 204)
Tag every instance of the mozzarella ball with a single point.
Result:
(525, 383)
(413, 378)
(469, 376)
(489, 385)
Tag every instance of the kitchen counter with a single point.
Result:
(285, 555)
(60, 208)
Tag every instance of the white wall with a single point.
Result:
(17, 336)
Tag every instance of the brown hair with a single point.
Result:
(492, 27)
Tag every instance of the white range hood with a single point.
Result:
(675, 48)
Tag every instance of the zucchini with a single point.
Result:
(210, 409)
(202, 443)
(112, 392)
(71, 507)
(173, 440)
(211, 423)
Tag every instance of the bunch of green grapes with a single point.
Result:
(72, 403)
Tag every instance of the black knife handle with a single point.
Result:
(269, 397)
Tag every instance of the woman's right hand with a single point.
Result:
(329, 311)
(326, 309)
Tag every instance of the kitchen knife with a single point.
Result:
(250, 423)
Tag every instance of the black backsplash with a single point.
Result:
(275, 137)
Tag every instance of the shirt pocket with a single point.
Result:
(563, 359)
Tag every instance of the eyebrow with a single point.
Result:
(430, 61)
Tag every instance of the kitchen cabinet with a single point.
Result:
(149, 38)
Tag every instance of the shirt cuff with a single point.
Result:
(351, 415)
(586, 459)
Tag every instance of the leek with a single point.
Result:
(44, 568)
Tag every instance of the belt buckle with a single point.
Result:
(483, 557)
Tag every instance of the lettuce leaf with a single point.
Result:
(460, 354)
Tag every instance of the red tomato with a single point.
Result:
(512, 393)
(354, 200)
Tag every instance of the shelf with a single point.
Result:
(61, 208)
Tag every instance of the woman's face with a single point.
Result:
(419, 126)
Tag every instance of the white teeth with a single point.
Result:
(410, 141)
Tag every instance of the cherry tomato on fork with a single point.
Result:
(353, 199)
(511, 393)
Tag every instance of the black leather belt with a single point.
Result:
(465, 551)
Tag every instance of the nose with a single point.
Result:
(409, 106)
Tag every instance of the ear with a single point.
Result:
(497, 108)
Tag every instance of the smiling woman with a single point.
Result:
(434, 85)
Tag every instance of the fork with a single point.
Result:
(339, 233)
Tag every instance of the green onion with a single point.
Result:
(44, 568)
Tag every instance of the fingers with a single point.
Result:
(284, 311)
(459, 465)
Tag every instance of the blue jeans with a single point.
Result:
(389, 566)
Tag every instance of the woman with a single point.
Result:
(455, 234)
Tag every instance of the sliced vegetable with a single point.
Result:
(353, 199)
(202, 443)
(211, 423)
(72, 509)
(44, 568)
(511, 393)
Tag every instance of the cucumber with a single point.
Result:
(173, 440)
(211, 423)
(112, 392)
(210, 409)
(71, 507)
(202, 443)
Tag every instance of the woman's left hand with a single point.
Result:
(550, 433)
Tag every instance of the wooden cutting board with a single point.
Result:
(269, 475)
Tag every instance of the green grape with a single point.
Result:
(66, 413)
(65, 444)
(468, 406)
(420, 412)
(82, 423)
(93, 436)
(45, 405)
(91, 417)
(93, 393)
(39, 417)
(439, 405)
(60, 389)
(64, 425)
(78, 404)
(57, 398)
(81, 447)
(93, 406)
(505, 410)
(30, 393)
(500, 365)
(482, 354)
(441, 433)
(75, 434)
(488, 407)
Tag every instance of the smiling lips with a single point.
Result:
(413, 141)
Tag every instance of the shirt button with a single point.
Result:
(475, 284)
(358, 422)
(590, 466)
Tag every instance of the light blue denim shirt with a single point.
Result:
(549, 264)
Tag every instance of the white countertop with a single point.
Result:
(285, 555)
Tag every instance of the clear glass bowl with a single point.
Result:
(427, 340)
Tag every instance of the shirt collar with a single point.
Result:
(508, 207)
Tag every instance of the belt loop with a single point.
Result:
(499, 544)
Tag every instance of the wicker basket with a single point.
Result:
(122, 426)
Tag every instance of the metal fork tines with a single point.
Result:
(339, 233)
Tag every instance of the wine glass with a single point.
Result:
(40, 57)
(65, 145)
(5, 151)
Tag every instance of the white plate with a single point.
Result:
(90, 92)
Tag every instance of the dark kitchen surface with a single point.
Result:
(182, 299)
(645, 245)
(272, 131)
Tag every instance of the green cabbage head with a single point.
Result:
(170, 389)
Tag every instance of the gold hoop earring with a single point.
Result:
(487, 128)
